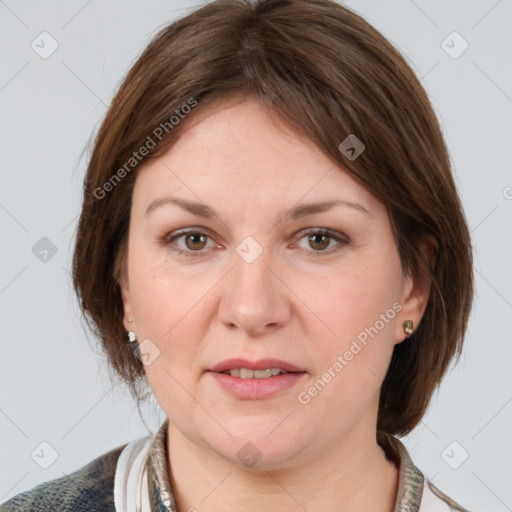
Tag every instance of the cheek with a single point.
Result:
(170, 322)
(359, 308)
(161, 297)
(352, 363)
(354, 300)
(168, 307)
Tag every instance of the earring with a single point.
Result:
(131, 336)
(130, 320)
(408, 327)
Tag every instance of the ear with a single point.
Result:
(416, 290)
(124, 287)
(121, 277)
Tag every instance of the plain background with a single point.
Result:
(55, 388)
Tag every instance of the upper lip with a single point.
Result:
(260, 364)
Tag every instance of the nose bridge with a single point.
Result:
(251, 271)
(254, 296)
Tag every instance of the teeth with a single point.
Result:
(247, 373)
(262, 374)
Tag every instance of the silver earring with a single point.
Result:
(130, 320)
(131, 336)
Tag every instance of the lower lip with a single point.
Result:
(257, 389)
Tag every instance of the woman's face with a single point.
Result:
(254, 282)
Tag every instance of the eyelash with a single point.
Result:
(340, 238)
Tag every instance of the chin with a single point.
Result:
(259, 443)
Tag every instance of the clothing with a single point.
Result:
(109, 483)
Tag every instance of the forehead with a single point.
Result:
(237, 151)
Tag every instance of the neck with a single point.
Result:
(353, 475)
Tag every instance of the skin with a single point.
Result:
(293, 302)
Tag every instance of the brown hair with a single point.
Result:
(327, 74)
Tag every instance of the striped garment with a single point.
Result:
(110, 482)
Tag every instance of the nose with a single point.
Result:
(254, 296)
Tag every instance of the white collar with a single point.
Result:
(131, 480)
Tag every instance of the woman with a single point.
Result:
(271, 238)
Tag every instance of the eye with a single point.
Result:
(195, 241)
(319, 239)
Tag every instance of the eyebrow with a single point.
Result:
(297, 212)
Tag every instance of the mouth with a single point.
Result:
(248, 373)
(256, 380)
(261, 369)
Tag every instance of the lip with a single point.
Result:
(260, 364)
(256, 389)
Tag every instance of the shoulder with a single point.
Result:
(89, 488)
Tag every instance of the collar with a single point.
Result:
(410, 479)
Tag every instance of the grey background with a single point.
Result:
(55, 387)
